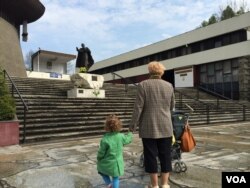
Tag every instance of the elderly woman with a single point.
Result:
(152, 112)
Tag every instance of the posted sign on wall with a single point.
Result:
(184, 77)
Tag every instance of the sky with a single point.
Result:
(112, 27)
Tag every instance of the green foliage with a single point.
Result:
(213, 19)
(7, 103)
(226, 13)
(83, 70)
(96, 92)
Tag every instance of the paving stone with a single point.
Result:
(72, 164)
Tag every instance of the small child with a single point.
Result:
(110, 154)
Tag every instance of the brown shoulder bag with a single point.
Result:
(188, 142)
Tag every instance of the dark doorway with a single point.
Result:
(169, 76)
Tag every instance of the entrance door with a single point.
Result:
(169, 76)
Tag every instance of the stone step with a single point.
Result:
(53, 116)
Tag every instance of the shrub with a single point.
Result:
(83, 70)
(7, 103)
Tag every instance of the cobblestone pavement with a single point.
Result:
(72, 164)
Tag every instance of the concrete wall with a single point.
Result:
(11, 57)
(33, 74)
(56, 67)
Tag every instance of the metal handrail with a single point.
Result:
(219, 96)
(207, 106)
(126, 80)
(26, 108)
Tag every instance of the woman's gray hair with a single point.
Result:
(156, 68)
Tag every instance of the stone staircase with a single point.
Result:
(52, 116)
(208, 109)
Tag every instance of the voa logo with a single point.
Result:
(236, 179)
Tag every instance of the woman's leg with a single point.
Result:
(106, 179)
(164, 148)
(154, 179)
(116, 182)
(150, 159)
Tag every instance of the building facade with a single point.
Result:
(13, 14)
(48, 64)
(215, 58)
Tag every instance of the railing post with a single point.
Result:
(12, 90)
(244, 113)
(197, 93)
(113, 78)
(24, 125)
(207, 110)
(4, 74)
(181, 100)
(218, 103)
(126, 87)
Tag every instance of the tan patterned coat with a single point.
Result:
(152, 109)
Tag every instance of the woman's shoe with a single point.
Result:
(109, 186)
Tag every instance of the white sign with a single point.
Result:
(184, 77)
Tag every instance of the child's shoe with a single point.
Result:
(109, 186)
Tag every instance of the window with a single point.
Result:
(235, 75)
(226, 39)
(94, 78)
(203, 68)
(235, 37)
(195, 47)
(218, 77)
(210, 70)
(235, 63)
(203, 78)
(211, 80)
(227, 67)
(217, 43)
(218, 66)
(49, 65)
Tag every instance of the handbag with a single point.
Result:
(188, 142)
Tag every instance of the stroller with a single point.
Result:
(179, 120)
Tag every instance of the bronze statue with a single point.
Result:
(84, 57)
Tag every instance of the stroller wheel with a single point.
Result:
(183, 166)
(141, 162)
(177, 167)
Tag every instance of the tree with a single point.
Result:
(230, 11)
(213, 19)
(227, 13)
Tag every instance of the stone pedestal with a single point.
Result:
(88, 81)
(86, 93)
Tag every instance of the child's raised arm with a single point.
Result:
(127, 138)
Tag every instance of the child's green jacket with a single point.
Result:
(110, 154)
